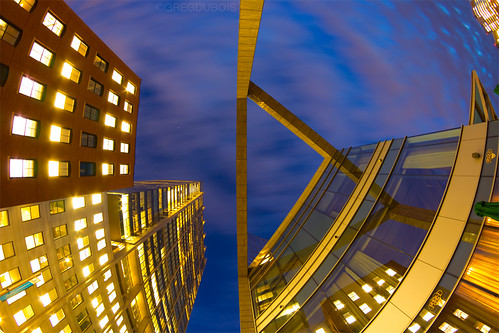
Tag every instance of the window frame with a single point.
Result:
(24, 168)
(34, 132)
(84, 138)
(54, 26)
(10, 26)
(88, 165)
(47, 61)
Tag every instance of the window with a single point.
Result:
(34, 240)
(93, 287)
(69, 72)
(101, 244)
(57, 207)
(60, 231)
(57, 317)
(83, 320)
(113, 98)
(110, 120)
(99, 233)
(9, 33)
(87, 270)
(23, 315)
(107, 275)
(64, 102)
(108, 144)
(126, 127)
(30, 213)
(44, 277)
(6, 250)
(107, 169)
(71, 282)
(26, 4)
(49, 297)
(95, 87)
(130, 87)
(41, 54)
(82, 242)
(88, 140)
(117, 76)
(58, 169)
(10, 277)
(128, 107)
(25, 127)
(123, 169)
(87, 169)
(78, 202)
(59, 134)
(125, 148)
(64, 257)
(91, 112)
(80, 224)
(31, 88)
(75, 301)
(103, 322)
(14, 298)
(100, 63)
(103, 259)
(78, 45)
(85, 253)
(53, 24)
(38, 263)
(22, 168)
(4, 74)
(98, 218)
(96, 198)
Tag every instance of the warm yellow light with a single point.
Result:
(66, 71)
(350, 319)
(365, 308)
(320, 330)
(390, 272)
(414, 328)
(96, 198)
(380, 282)
(53, 168)
(125, 127)
(428, 316)
(86, 271)
(130, 87)
(109, 120)
(75, 44)
(55, 133)
(367, 288)
(103, 322)
(103, 259)
(45, 299)
(380, 299)
(78, 202)
(117, 77)
(60, 100)
(339, 305)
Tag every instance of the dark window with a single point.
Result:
(101, 63)
(88, 140)
(57, 207)
(91, 112)
(95, 87)
(8, 33)
(4, 74)
(87, 169)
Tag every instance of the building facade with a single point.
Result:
(70, 265)
(68, 108)
(384, 238)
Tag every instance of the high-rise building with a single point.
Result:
(385, 237)
(69, 107)
(487, 14)
(124, 261)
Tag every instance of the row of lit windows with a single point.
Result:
(27, 168)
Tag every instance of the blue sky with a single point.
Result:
(356, 71)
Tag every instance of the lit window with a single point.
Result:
(57, 317)
(64, 102)
(16, 297)
(41, 54)
(85, 253)
(101, 244)
(87, 270)
(117, 76)
(445, 327)
(110, 287)
(98, 218)
(367, 288)
(103, 322)
(10, 277)
(428, 315)
(110, 121)
(93, 287)
(103, 259)
(4, 218)
(390, 289)
(60, 231)
(116, 307)
(112, 296)
(380, 282)
(126, 127)
(460, 314)
(108, 144)
(380, 299)
(100, 63)
(59, 134)
(482, 327)
(49, 297)
(7, 250)
(390, 272)
(66, 329)
(125, 148)
(91, 112)
(95, 87)
(365, 308)
(9, 33)
(88, 140)
(38, 263)
(44, 277)
(99, 309)
(349, 318)
(128, 107)
(107, 169)
(22, 168)
(113, 98)
(339, 305)
(414, 328)
(30, 213)
(96, 301)
(130, 87)
(78, 202)
(34, 240)
(64, 256)
(70, 282)
(82, 242)
(69, 72)
(87, 169)
(353, 296)
(58, 169)
(119, 321)
(53, 24)
(23, 315)
(31, 88)
(123, 169)
(78, 45)
(80, 224)
(107, 274)
(99, 233)
(57, 207)
(75, 301)
(27, 5)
